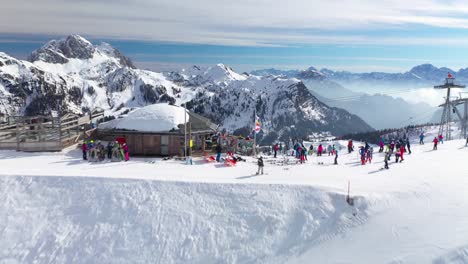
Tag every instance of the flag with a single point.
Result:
(258, 125)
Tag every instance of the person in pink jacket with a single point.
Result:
(319, 150)
(125, 150)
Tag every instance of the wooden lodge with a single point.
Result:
(165, 143)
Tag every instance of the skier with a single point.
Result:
(397, 157)
(350, 146)
(441, 139)
(84, 147)
(115, 152)
(390, 151)
(369, 154)
(304, 152)
(408, 146)
(421, 138)
(218, 152)
(110, 146)
(336, 157)
(333, 150)
(402, 150)
(299, 153)
(275, 149)
(311, 149)
(125, 150)
(100, 151)
(387, 156)
(367, 146)
(392, 146)
(319, 150)
(435, 143)
(381, 145)
(281, 148)
(362, 152)
(260, 165)
(329, 150)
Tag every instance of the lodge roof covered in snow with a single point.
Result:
(158, 118)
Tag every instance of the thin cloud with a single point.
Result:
(236, 23)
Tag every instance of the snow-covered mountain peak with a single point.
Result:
(311, 73)
(222, 73)
(218, 74)
(75, 49)
(60, 51)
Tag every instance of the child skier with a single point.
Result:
(435, 143)
(319, 150)
(109, 148)
(125, 150)
(218, 152)
(369, 154)
(408, 146)
(421, 138)
(362, 152)
(350, 146)
(336, 157)
(84, 148)
(275, 149)
(329, 150)
(387, 156)
(441, 139)
(260, 165)
(402, 150)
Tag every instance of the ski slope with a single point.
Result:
(58, 209)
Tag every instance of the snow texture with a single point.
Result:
(152, 118)
(59, 209)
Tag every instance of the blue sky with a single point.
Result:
(387, 35)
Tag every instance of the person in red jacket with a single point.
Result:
(402, 150)
(441, 139)
(84, 147)
(435, 143)
(275, 149)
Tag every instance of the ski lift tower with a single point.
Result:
(462, 117)
(446, 114)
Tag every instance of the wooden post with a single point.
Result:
(203, 144)
(17, 134)
(190, 139)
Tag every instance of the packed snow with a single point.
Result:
(60, 209)
(152, 118)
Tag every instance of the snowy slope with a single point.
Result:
(168, 212)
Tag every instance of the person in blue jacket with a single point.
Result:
(421, 138)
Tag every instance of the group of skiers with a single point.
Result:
(366, 153)
(436, 140)
(398, 147)
(113, 151)
(301, 152)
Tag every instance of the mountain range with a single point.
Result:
(421, 75)
(74, 75)
(367, 94)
